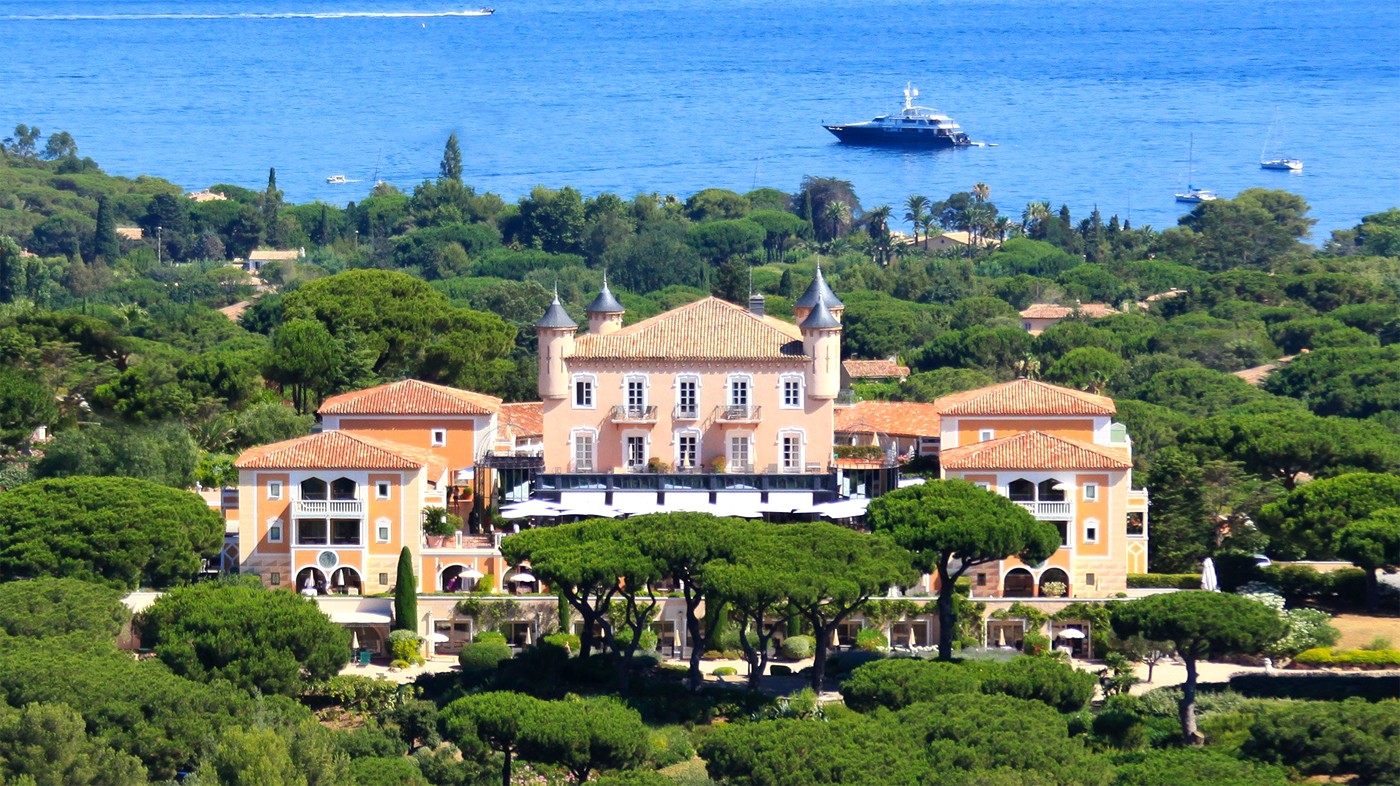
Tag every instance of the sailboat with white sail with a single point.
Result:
(1193, 195)
(1274, 161)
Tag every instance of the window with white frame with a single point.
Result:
(439, 437)
(739, 391)
(634, 449)
(740, 455)
(381, 530)
(1091, 492)
(986, 435)
(274, 531)
(790, 449)
(584, 450)
(636, 396)
(274, 489)
(791, 391)
(687, 397)
(583, 391)
(1091, 531)
(687, 450)
(381, 489)
(984, 485)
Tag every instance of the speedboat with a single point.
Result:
(1195, 196)
(1283, 164)
(337, 179)
(914, 126)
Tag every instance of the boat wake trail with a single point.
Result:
(323, 15)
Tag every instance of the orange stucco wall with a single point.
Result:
(969, 428)
(459, 452)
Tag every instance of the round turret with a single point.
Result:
(555, 332)
(604, 313)
(817, 290)
(821, 341)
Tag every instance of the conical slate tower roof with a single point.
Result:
(555, 317)
(820, 317)
(605, 303)
(818, 289)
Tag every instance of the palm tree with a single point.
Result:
(836, 213)
(1002, 226)
(877, 219)
(916, 213)
(1028, 367)
(981, 191)
(1033, 218)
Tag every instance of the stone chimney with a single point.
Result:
(756, 304)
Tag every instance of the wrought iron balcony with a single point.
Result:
(626, 414)
(737, 413)
(683, 412)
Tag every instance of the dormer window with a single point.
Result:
(986, 435)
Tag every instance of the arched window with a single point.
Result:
(1054, 576)
(313, 488)
(1052, 490)
(1021, 490)
(342, 488)
(1019, 583)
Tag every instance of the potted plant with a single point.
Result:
(439, 525)
(719, 465)
(657, 466)
(1053, 589)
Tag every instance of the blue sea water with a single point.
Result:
(1089, 102)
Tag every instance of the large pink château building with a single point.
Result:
(709, 402)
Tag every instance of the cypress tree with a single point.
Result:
(451, 167)
(104, 242)
(406, 594)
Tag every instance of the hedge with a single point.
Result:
(1321, 656)
(483, 656)
(1164, 581)
(1317, 686)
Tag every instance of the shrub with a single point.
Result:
(1060, 685)
(568, 642)
(899, 682)
(1196, 766)
(1378, 643)
(405, 646)
(1353, 737)
(1321, 656)
(725, 671)
(798, 647)
(489, 637)
(669, 745)
(1164, 580)
(871, 640)
(483, 656)
(1317, 685)
(779, 670)
(1119, 726)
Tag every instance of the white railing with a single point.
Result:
(1053, 510)
(333, 507)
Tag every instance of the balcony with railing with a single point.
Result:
(737, 413)
(625, 414)
(328, 507)
(1047, 510)
(685, 412)
(462, 541)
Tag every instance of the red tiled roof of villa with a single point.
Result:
(1034, 450)
(522, 419)
(1257, 375)
(1025, 397)
(868, 369)
(410, 397)
(340, 450)
(898, 418)
(708, 329)
(1053, 311)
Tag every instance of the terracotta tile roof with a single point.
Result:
(410, 397)
(867, 369)
(517, 421)
(1025, 397)
(1034, 450)
(708, 329)
(1257, 375)
(340, 450)
(276, 254)
(1053, 311)
(899, 418)
(235, 311)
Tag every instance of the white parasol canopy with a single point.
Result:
(522, 576)
(1209, 581)
(1070, 633)
(533, 507)
(438, 638)
(354, 640)
(472, 573)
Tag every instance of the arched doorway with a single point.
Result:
(458, 578)
(1019, 583)
(311, 582)
(313, 489)
(523, 581)
(342, 489)
(346, 581)
(1057, 577)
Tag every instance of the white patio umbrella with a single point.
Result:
(1070, 633)
(438, 638)
(472, 573)
(1209, 581)
(522, 576)
(354, 640)
(1001, 637)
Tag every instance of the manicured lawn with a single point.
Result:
(1359, 629)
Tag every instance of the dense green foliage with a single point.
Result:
(1353, 737)
(116, 531)
(258, 639)
(57, 607)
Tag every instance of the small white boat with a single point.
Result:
(1276, 163)
(337, 179)
(1195, 196)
